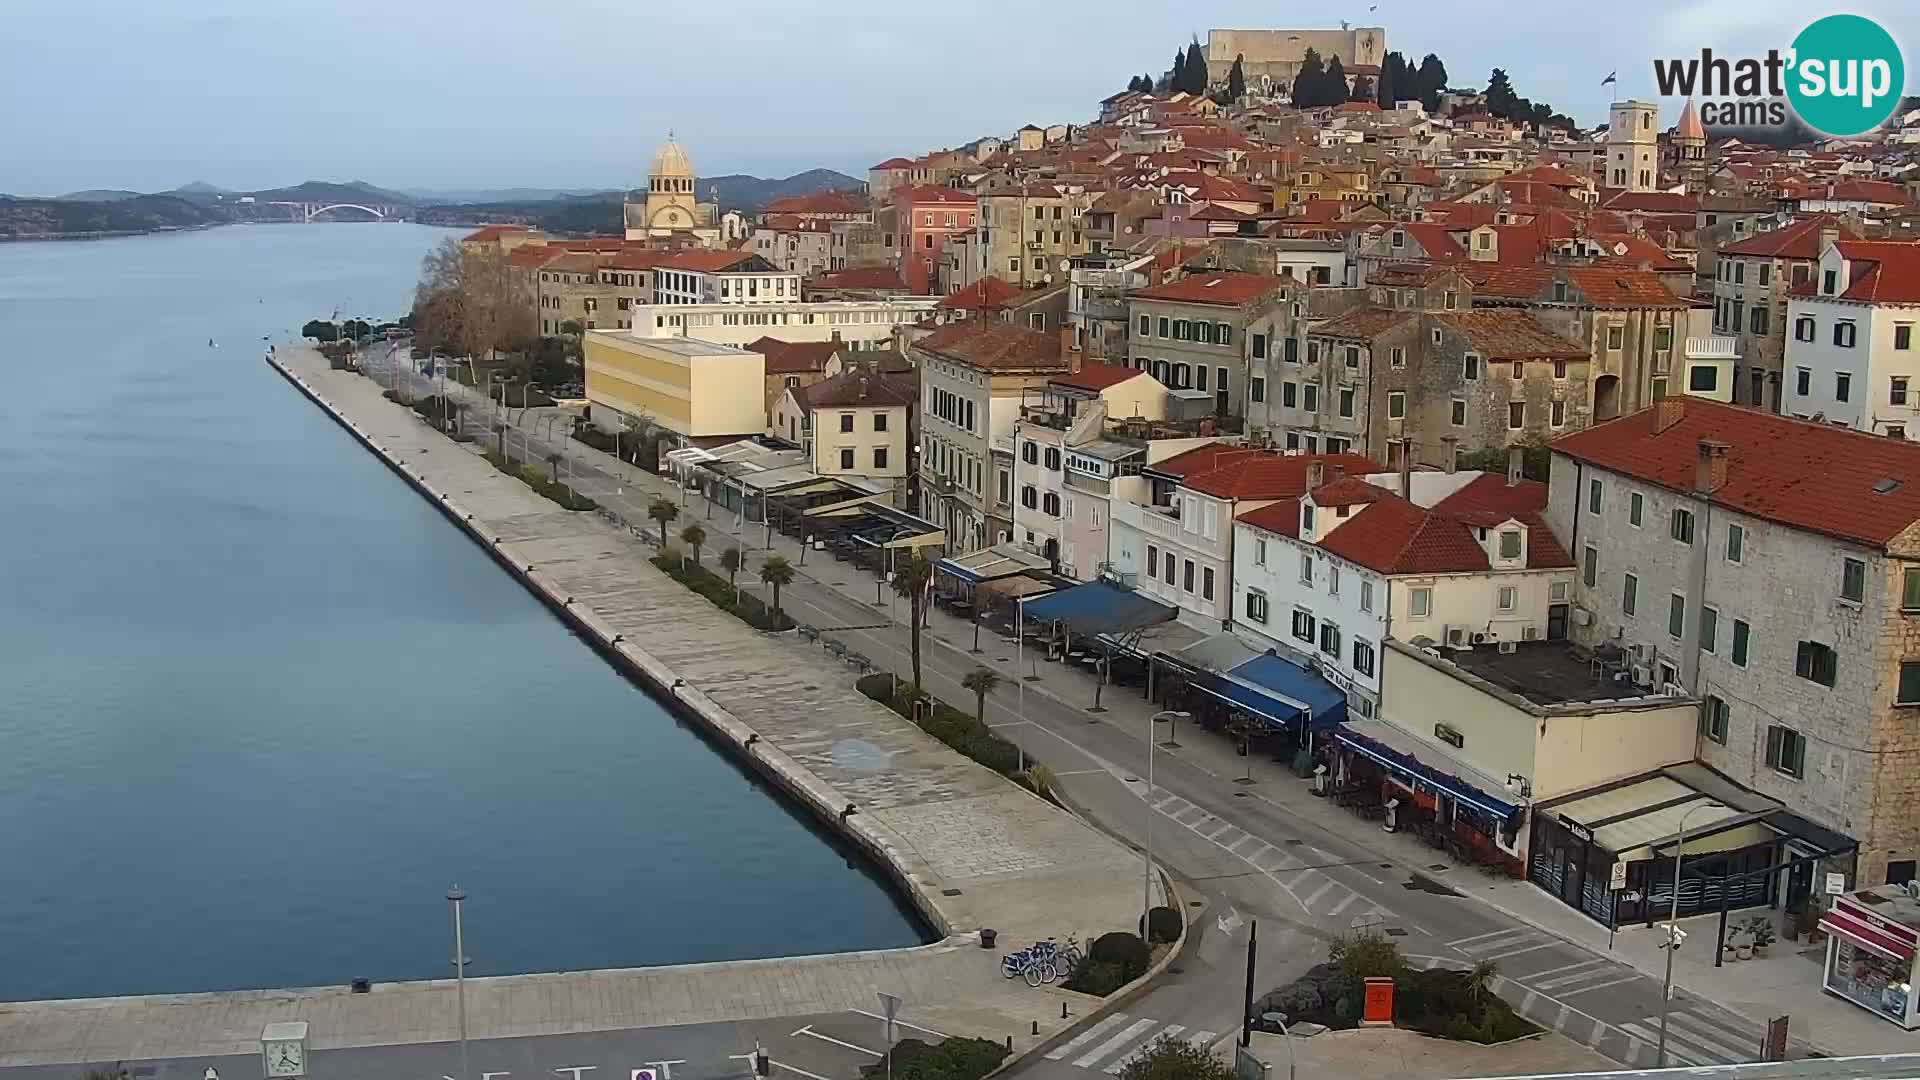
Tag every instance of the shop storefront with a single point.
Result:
(1413, 786)
(1874, 935)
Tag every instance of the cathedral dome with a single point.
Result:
(670, 160)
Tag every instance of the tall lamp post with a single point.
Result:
(1673, 928)
(1146, 905)
(455, 897)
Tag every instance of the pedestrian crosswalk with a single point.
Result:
(1698, 1038)
(1501, 944)
(1301, 871)
(1114, 1041)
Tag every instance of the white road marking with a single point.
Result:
(1492, 944)
(1119, 1063)
(1318, 893)
(1701, 1032)
(1518, 951)
(1597, 986)
(1105, 1025)
(1342, 905)
(1235, 846)
(1692, 1055)
(789, 1068)
(1596, 971)
(1481, 937)
(1537, 980)
(1201, 1038)
(1132, 1032)
(812, 1034)
(903, 1023)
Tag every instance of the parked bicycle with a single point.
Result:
(1043, 961)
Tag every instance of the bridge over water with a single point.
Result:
(310, 211)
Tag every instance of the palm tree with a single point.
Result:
(910, 583)
(776, 572)
(695, 536)
(663, 510)
(982, 681)
(731, 561)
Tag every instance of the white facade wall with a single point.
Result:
(1295, 577)
(1040, 458)
(1200, 543)
(860, 323)
(1880, 380)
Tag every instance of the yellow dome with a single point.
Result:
(670, 160)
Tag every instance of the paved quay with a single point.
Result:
(970, 850)
(1270, 849)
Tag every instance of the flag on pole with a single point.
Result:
(1612, 77)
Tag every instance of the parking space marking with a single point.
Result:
(903, 1023)
(810, 1033)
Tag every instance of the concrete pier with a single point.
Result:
(968, 848)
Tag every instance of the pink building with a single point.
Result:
(926, 216)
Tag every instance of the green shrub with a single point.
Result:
(1163, 924)
(1175, 1059)
(1366, 956)
(948, 1059)
(1096, 977)
(744, 606)
(1124, 949)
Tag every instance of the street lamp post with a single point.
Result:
(1146, 905)
(455, 897)
(1673, 929)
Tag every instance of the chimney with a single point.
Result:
(863, 388)
(1829, 236)
(1316, 474)
(1710, 470)
(1406, 469)
(1667, 412)
(1452, 443)
(1516, 460)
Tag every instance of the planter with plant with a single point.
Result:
(1760, 929)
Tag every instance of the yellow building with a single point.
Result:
(696, 389)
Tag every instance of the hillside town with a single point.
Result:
(1538, 485)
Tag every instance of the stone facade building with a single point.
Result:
(1189, 332)
(1751, 281)
(1770, 567)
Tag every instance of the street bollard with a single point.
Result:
(1036, 1027)
(1009, 1044)
(1063, 1010)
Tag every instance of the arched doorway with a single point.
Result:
(1606, 397)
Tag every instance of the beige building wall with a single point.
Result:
(694, 388)
(863, 440)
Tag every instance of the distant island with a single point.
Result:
(107, 212)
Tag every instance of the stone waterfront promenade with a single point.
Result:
(971, 850)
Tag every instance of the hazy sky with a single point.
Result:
(577, 93)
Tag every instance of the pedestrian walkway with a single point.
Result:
(1753, 991)
(1112, 1043)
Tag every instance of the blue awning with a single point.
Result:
(1437, 776)
(1279, 691)
(1098, 607)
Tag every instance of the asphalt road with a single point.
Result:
(1236, 845)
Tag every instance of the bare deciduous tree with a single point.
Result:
(469, 302)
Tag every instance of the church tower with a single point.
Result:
(1690, 140)
(671, 205)
(1633, 144)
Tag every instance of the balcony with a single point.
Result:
(1162, 522)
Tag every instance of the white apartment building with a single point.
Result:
(859, 323)
(1188, 540)
(1771, 568)
(1851, 357)
(1068, 451)
(1331, 575)
(722, 277)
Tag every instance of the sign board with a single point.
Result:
(1836, 884)
(1379, 1007)
(1774, 1047)
(1579, 832)
(1617, 877)
(890, 1008)
(1246, 1066)
(645, 1074)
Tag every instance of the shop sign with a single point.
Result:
(1579, 831)
(1836, 884)
(1617, 877)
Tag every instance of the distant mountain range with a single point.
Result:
(113, 211)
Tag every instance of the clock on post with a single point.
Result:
(283, 1049)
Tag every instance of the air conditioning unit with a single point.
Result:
(1531, 633)
(1582, 617)
(1642, 653)
(1457, 637)
(1642, 676)
(1513, 646)
(1481, 637)
(1030, 547)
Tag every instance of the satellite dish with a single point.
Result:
(1065, 265)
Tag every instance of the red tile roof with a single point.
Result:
(491, 232)
(1362, 323)
(1884, 272)
(1358, 107)
(890, 164)
(1800, 473)
(1510, 334)
(794, 357)
(706, 261)
(1266, 475)
(1281, 517)
(919, 194)
(1598, 286)
(1197, 460)
(996, 346)
(1348, 491)
(881, 278)
(1394, 536)
(857, 389)
(988, 292)
(1097, 376)
(1654, 201)
(1800, 240)
(819, 202)
(1227, 288)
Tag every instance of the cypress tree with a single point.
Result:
(1306, 83)
(1333, 84)
(1236, 80)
